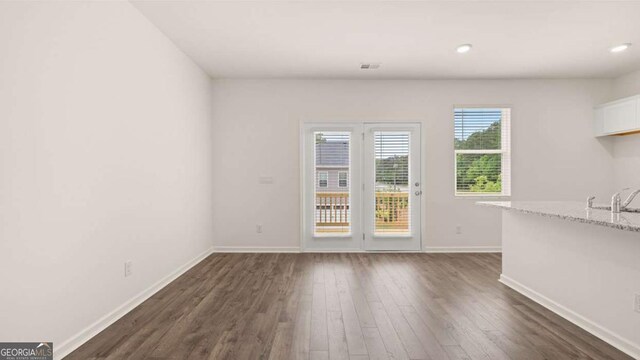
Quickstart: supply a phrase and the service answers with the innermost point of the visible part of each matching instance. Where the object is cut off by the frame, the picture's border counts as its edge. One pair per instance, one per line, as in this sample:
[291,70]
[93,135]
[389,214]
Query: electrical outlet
[458,229]
[259,229]
[636,303]
[128,268]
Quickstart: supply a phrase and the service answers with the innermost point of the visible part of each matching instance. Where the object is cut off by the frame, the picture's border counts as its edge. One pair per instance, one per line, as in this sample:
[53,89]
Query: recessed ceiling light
[463,48]
[619,48]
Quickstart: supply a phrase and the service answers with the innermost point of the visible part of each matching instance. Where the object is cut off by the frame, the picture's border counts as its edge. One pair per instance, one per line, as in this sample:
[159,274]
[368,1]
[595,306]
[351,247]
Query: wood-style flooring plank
[375,345]
[343,306]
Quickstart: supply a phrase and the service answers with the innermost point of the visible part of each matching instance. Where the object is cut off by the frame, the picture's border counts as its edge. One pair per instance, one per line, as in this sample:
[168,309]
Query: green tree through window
[479,153]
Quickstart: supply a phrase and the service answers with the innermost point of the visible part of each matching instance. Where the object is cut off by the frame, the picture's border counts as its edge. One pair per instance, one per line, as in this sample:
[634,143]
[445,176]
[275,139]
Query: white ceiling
[412,40]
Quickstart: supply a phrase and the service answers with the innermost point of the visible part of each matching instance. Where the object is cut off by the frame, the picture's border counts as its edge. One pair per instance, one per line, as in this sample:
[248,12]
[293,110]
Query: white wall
[627,148]
[256,122]
[626,85]
[105,156]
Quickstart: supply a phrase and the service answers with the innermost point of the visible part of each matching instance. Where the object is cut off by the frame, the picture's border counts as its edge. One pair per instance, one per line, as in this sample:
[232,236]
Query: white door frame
[390,242]
[330,242]
[354,242]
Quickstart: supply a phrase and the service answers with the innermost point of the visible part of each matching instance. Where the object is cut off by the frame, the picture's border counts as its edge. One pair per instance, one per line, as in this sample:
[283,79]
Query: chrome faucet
[590,202]
[630,198]
[618,205]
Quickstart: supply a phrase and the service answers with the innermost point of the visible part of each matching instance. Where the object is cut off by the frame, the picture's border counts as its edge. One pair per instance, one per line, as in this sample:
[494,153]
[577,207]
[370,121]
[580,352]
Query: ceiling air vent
[369,66]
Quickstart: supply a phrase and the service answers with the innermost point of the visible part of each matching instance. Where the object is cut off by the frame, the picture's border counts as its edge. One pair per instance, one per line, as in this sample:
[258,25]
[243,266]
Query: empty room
[437,180]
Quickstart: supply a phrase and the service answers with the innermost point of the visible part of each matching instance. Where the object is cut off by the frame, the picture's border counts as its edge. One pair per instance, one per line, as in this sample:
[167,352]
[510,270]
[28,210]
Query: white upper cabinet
[617,117]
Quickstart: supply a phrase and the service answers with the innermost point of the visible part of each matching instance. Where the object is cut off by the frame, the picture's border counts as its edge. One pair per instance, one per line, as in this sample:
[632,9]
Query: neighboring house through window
[332,162]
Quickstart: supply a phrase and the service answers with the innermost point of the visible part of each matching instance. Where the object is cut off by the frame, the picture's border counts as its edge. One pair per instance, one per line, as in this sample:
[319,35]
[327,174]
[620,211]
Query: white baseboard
[252,249]
[462,249]
[333,251]
[295,249]
[92,330]
[604,334]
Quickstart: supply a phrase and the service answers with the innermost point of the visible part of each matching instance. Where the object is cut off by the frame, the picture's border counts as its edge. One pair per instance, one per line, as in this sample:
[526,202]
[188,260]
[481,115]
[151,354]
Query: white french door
[392,186]
[361,186]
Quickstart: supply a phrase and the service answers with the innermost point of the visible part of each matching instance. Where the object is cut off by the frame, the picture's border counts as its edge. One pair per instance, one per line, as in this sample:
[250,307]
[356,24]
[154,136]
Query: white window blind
[392,208]
[332,196]
[482,140]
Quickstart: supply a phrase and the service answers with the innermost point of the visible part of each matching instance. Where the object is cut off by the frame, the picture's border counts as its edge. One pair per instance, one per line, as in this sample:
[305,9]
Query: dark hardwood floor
[343,306]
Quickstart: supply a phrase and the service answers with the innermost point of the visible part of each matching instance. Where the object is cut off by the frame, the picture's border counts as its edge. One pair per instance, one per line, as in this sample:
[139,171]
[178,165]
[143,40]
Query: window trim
[505,151]
[346,180]
[326,174]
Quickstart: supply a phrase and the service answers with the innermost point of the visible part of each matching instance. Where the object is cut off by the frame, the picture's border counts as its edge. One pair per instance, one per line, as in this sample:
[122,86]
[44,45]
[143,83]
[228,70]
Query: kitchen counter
[572,211]
[584,265]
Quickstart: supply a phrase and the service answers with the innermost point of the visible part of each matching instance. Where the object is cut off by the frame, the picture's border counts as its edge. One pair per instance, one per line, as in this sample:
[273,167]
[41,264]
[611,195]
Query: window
[482,141]
[342,179]
[323,179]
[332,210]
[392,215]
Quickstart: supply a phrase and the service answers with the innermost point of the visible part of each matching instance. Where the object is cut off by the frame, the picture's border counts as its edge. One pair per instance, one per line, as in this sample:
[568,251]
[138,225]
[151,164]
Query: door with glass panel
[332,187]
[361,186]
[392,186]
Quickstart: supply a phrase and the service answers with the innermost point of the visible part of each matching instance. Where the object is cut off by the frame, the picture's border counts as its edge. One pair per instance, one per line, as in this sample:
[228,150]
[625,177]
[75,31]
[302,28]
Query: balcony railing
[333,214]
[392,212]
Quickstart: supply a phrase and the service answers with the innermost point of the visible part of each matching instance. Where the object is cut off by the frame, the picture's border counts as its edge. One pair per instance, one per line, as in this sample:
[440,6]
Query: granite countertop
[572,211]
